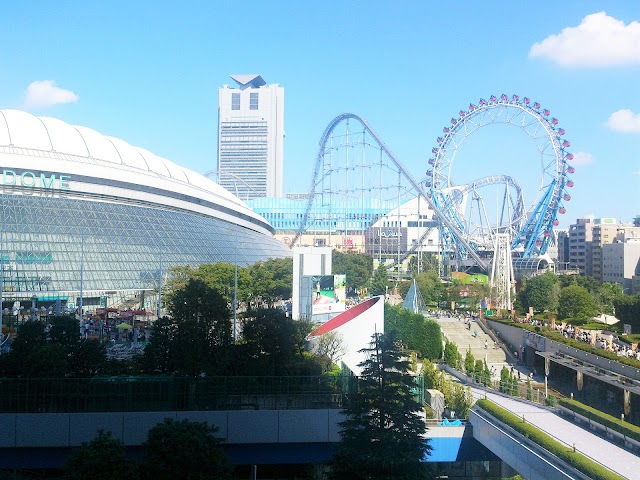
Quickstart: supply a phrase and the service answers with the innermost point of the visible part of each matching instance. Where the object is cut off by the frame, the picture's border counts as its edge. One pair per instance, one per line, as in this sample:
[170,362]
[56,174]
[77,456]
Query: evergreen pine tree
[383,435]
[379,281]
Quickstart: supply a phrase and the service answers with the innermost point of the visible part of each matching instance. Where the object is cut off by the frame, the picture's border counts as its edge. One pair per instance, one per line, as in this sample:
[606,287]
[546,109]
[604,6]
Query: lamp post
[34,309]
[81,274]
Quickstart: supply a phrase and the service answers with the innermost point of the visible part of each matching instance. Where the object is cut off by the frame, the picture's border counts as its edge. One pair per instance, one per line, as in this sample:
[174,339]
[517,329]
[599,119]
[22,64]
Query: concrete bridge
[43,440]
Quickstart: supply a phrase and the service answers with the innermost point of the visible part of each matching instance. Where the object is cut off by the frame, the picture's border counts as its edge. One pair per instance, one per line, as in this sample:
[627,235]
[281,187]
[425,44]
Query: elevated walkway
[533,462]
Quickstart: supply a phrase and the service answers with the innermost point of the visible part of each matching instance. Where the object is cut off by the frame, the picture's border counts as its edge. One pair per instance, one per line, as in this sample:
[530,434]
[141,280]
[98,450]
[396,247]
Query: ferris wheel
[470,223]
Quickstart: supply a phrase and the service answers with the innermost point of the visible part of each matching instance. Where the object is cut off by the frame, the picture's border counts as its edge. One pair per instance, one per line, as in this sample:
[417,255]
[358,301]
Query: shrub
[609,421]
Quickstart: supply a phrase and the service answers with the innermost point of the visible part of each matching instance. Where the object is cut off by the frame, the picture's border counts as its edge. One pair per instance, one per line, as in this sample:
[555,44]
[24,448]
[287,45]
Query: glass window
[235,101]
[253,101]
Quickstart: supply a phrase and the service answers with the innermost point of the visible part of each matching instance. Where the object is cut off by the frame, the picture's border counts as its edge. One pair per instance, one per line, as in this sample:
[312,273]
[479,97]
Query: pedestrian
[486,345]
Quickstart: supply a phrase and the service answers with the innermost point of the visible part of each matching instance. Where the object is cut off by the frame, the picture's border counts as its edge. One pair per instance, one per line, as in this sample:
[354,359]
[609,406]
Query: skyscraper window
[235,101]
[253,101]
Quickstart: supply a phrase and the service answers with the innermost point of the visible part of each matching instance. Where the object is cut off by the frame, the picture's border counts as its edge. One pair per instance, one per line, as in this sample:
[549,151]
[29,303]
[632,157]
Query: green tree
[157,355]
[429,285]
[103,458]
[607,294]
[414,331]
[576,302]
[383,434]
[478,371]
[451,355]
[221,277]
[197,336]
[87,358]
[271,280]
[358,268]
[273,342]
[540,292]
[186,450]
[379,281]
[627,309]
[429,263]
[469,363]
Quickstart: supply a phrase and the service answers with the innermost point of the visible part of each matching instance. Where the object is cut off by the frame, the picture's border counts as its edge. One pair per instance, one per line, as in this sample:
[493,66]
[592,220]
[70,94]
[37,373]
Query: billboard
[329,294]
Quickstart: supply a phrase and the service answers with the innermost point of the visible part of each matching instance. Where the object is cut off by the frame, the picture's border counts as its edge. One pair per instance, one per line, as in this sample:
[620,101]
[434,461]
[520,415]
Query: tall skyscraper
[251,137]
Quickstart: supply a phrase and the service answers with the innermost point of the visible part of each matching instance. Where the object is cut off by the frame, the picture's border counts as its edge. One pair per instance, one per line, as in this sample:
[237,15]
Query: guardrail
[610,433]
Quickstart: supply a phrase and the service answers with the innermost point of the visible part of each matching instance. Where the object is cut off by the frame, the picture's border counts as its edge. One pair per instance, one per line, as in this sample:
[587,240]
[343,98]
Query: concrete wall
[509,335]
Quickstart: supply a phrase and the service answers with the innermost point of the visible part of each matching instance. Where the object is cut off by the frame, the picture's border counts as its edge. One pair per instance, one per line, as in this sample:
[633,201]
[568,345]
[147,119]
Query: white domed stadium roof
[54,145]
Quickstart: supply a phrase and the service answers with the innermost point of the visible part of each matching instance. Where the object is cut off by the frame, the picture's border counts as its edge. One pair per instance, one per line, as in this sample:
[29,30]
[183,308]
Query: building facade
[580,237]
[251,137]
[621,264]
[89,219]
[588,239]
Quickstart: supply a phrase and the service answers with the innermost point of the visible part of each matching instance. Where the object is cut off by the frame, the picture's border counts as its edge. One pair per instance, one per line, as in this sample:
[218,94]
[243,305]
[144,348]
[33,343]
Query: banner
[329,294]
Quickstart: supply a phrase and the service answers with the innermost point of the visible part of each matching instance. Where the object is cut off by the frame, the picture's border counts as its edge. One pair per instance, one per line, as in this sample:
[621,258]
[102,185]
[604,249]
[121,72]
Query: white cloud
[600,40]
[581,159]
[45,93]
[624,121]
[637,172]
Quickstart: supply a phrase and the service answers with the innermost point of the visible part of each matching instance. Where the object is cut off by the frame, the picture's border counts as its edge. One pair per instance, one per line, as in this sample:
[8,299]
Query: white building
[251,137]
[621,262]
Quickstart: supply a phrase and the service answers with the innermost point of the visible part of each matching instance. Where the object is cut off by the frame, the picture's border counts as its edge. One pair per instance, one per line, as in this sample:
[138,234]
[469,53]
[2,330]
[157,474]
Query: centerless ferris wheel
[470,224]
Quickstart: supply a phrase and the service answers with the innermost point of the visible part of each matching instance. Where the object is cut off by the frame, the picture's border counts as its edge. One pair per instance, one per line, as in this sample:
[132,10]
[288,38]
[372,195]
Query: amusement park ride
[354,164]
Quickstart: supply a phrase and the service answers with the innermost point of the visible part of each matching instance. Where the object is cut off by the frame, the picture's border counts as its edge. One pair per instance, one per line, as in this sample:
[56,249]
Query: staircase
[455,331]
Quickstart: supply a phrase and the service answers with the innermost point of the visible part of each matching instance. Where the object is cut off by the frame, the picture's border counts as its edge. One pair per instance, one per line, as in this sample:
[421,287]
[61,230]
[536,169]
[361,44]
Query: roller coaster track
[419,188]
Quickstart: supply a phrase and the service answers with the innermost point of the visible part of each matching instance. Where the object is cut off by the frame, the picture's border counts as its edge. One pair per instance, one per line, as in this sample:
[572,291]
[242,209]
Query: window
[253,101]
[235,101]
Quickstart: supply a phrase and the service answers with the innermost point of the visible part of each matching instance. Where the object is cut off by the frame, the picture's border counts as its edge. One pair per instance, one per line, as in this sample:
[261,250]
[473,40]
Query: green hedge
[625,428]
[576,460]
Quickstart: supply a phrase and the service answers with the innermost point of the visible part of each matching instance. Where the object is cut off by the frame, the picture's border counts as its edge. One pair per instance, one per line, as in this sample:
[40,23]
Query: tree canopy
[379,281]
[383,434]
[576,302]
[196,337]
[540,292]
[429,285]
[627,309]
[184,449]
[357,267]
[414,331]
[103,458]
[263,282]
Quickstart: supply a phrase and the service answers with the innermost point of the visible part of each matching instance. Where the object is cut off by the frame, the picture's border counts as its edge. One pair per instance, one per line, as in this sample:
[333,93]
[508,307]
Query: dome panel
[209,185]
[98,146]
[154,163]
[130,155]
[4,130]
[65,138]
[175,170]
[26,130]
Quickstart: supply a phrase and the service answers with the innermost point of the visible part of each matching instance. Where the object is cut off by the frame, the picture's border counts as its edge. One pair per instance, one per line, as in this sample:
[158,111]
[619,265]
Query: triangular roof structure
[414,300]
[248,80]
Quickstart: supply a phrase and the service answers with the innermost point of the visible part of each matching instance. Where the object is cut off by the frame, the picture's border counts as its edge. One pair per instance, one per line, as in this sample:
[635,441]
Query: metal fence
[135,394]
[167,393]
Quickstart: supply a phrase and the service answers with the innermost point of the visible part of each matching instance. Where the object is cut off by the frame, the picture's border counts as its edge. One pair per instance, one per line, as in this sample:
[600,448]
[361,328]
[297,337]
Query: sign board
[329,294]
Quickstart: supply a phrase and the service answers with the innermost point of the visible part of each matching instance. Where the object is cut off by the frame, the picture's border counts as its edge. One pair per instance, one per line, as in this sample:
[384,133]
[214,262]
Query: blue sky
[149,72]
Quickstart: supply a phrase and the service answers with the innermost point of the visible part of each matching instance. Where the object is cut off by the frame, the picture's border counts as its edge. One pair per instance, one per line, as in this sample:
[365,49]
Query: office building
[251,137]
